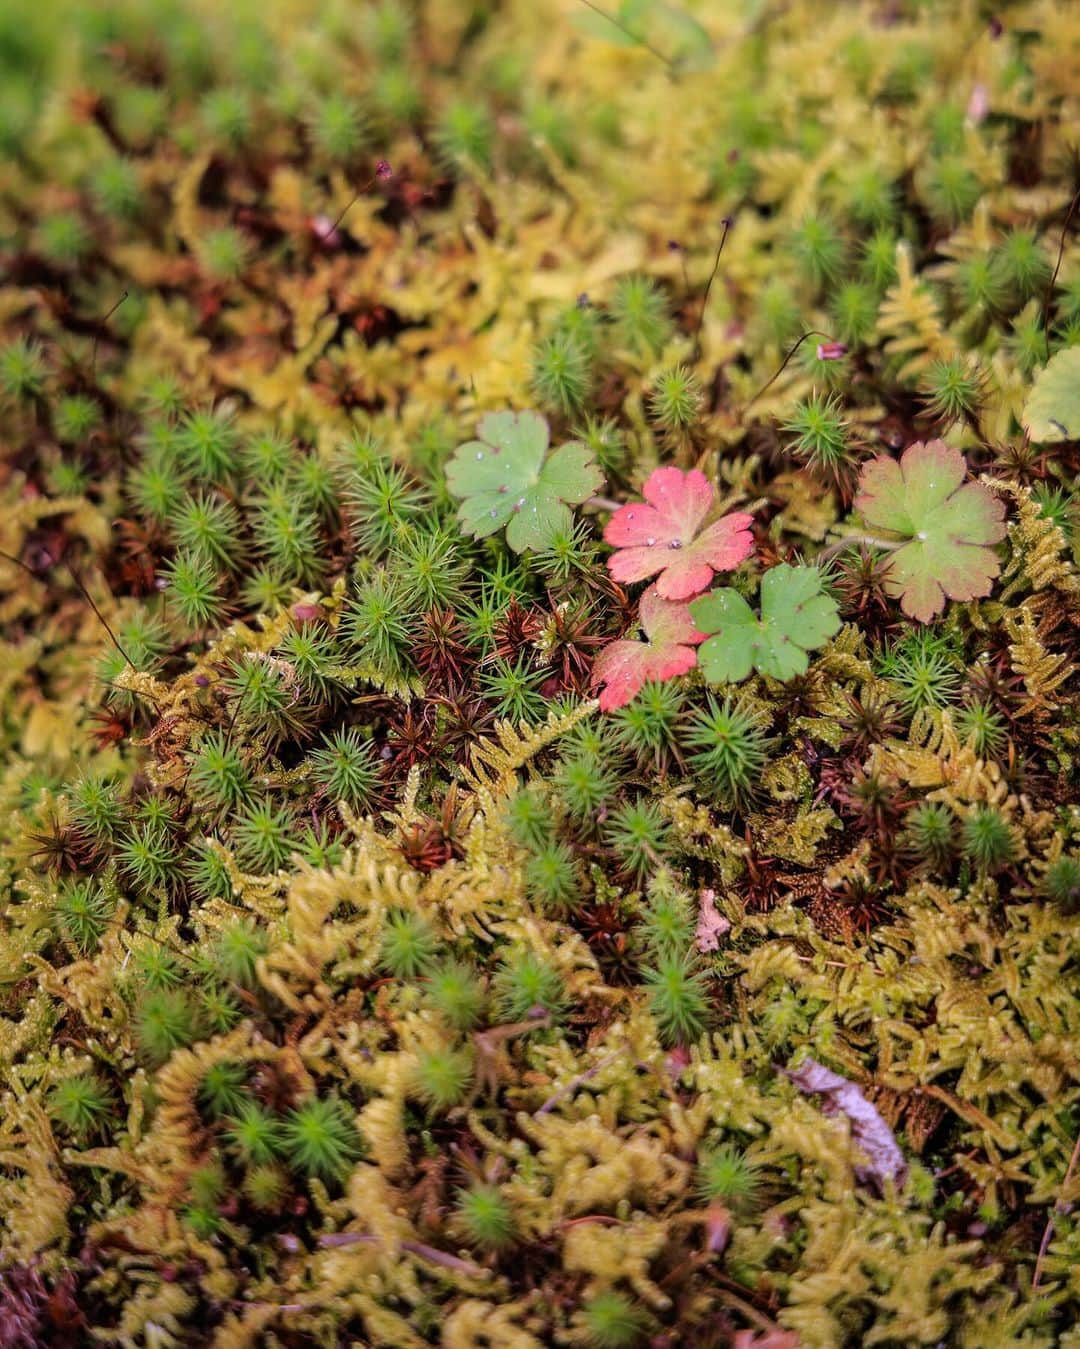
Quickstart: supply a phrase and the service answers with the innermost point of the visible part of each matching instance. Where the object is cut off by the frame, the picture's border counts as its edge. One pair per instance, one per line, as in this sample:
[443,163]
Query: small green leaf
[1052,411]
[505,479]
[796,617]
[947,526]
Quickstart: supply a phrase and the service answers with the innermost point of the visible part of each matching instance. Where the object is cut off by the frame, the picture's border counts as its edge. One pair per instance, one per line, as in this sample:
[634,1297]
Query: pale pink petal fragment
[717,1228]
[711,924]
[868,1129]
[770,1339]
[660,535]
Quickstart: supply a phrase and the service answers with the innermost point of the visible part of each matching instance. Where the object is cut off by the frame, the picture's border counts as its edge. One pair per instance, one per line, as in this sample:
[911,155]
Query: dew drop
[479,455]
[504,488]
[493,514]
[521,502]
[649,541]
[675,543]
[630,515]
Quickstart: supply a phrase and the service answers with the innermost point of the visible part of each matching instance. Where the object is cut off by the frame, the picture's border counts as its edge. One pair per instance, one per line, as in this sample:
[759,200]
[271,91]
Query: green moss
[486,1217]
[320,1138]
[409,944]
[81,1105]
[339,919]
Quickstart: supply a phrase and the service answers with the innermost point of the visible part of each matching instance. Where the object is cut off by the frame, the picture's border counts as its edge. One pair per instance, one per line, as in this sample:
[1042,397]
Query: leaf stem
[857,540]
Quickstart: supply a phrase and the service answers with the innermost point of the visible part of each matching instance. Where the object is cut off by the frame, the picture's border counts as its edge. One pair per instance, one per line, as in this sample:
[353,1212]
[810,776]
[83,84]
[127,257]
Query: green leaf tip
[1052,411]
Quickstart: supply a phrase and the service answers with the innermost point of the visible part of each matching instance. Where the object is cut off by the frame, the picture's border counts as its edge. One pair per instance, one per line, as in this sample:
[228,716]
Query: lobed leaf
[1052,411]
[662,536]
[950,527]
[796,617]
[507,479]
[667,651]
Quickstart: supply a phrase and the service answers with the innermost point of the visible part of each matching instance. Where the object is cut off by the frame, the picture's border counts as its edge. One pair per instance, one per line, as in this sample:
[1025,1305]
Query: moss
[346,943]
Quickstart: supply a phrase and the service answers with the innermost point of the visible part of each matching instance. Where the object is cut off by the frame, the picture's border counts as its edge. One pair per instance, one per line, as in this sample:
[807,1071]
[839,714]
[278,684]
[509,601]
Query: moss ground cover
[538,706]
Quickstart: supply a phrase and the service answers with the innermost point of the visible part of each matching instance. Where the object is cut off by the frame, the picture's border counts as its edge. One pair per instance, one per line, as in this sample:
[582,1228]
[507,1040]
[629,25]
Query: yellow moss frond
[474,1322]
[495,763]
[1038,550]
[910,320]
[620,1251]
[1042,671]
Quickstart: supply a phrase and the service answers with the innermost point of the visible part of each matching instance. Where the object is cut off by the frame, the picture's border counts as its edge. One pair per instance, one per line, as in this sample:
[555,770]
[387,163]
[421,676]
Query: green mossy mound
[364,976]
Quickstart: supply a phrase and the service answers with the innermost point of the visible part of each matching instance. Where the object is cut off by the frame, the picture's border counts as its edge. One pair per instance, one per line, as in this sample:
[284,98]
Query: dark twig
[97,335]
[382,171]
[810,332]
[728,222]
[18,562]
[100,616]
[1057,268]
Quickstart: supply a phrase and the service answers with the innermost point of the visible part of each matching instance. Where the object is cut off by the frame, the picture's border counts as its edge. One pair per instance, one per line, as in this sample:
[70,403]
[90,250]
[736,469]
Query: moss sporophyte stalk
[538,756]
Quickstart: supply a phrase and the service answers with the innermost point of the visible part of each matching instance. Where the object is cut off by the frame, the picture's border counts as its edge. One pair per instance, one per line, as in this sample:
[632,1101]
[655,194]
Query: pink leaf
[711,924]
[868,1129]
[668,650]
[661,536]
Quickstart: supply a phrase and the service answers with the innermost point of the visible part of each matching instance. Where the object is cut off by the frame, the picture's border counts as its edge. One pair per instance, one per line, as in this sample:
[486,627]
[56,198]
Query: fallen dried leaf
[870,1132]
[711,924]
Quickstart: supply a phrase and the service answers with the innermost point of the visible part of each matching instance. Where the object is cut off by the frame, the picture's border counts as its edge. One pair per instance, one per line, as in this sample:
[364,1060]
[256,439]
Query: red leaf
[661,535]
[668,650]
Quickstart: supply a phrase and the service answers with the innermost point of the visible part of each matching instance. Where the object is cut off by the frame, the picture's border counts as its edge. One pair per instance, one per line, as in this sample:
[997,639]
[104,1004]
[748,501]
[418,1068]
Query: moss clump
[374,400]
